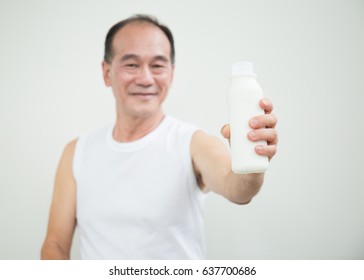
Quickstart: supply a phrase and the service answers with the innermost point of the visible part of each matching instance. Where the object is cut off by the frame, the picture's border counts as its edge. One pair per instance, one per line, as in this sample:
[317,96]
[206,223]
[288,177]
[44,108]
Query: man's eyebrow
[128,56]
[161,58]
[134,56]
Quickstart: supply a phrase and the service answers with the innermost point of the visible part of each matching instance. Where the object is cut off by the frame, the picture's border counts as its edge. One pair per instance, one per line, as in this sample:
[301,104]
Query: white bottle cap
[243,68]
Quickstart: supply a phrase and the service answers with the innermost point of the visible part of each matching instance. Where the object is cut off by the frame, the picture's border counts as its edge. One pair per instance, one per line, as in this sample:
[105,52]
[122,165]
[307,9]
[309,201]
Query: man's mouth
[144,95]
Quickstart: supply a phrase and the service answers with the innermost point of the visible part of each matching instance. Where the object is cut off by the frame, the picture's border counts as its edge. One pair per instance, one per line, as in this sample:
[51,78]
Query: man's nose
[144,77]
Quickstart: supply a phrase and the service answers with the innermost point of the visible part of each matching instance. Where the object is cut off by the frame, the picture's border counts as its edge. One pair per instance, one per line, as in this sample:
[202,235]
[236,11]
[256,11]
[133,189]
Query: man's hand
[263,128]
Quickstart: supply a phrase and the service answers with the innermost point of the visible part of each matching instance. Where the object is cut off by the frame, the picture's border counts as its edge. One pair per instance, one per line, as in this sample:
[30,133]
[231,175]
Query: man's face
[141,71]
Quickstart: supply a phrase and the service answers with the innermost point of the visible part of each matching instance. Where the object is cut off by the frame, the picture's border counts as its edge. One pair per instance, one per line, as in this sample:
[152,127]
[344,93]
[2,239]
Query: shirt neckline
[139,143]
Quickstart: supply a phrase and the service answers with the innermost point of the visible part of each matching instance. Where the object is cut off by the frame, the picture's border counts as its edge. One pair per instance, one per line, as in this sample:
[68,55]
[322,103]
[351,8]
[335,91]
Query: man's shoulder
[181,125]
[70,148]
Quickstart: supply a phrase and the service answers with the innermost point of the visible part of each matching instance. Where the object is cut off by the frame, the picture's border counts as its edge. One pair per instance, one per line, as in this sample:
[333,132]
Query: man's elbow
[242,202]
[53,251]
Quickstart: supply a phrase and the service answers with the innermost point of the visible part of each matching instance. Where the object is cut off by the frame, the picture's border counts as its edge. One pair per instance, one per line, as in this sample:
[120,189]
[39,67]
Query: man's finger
[266,105]
[267,120]
[225,131]
[269,151]
[270,135]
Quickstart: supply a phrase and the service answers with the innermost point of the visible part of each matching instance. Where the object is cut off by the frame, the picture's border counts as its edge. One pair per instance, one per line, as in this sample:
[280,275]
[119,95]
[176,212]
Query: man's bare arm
[212,162]
[62,218]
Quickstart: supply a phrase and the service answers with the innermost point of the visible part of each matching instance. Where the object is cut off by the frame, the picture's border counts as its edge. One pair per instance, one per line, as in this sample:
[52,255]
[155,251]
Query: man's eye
[132,65]
[158,66]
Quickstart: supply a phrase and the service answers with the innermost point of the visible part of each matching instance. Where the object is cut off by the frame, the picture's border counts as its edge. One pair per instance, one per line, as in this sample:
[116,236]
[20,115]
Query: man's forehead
[136,37]
[140,30]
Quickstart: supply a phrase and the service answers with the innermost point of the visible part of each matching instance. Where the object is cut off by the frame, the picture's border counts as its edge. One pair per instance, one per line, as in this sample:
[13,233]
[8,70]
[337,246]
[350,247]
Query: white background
[310,62]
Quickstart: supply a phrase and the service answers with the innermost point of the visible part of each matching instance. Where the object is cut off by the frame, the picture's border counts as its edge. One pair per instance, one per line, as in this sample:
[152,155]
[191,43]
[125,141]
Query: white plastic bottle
[243,101]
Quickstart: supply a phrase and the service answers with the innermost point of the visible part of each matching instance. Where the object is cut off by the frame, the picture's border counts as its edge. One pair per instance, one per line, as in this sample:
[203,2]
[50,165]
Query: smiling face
[141,71]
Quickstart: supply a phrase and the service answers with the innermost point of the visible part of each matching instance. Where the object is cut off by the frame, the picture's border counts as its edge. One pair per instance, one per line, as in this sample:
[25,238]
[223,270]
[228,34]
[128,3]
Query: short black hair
[108,54]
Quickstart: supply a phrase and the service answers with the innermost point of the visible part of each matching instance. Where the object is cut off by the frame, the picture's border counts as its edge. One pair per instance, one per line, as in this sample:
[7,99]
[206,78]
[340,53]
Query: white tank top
[139,200]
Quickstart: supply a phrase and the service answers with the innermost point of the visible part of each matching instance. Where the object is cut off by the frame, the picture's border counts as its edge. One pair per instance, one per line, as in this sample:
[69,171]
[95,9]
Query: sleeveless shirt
[140,199]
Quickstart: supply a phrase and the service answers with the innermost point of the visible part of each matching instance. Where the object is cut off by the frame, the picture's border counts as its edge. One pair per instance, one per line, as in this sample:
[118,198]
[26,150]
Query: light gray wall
[309,59]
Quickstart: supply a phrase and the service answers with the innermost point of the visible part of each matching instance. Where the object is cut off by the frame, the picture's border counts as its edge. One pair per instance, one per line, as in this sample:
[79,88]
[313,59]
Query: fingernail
[259,148]
[254,122]
[252,134]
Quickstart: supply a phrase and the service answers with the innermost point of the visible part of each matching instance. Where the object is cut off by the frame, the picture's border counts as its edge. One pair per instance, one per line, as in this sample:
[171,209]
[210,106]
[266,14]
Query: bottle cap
[243,68]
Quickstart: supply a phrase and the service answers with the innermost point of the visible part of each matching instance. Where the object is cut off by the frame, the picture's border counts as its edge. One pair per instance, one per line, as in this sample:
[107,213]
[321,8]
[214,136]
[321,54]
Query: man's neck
[128,128]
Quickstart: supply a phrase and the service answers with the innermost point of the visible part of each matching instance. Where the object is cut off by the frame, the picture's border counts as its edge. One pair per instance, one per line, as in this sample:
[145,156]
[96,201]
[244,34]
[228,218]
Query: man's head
[108,53]
[138,66]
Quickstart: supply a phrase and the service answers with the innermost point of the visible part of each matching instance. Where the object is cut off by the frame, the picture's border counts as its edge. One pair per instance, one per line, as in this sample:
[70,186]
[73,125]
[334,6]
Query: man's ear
[106,72]
[172,75]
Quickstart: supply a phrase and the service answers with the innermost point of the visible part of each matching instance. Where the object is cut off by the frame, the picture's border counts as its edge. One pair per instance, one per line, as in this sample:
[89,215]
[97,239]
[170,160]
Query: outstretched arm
[212,162]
